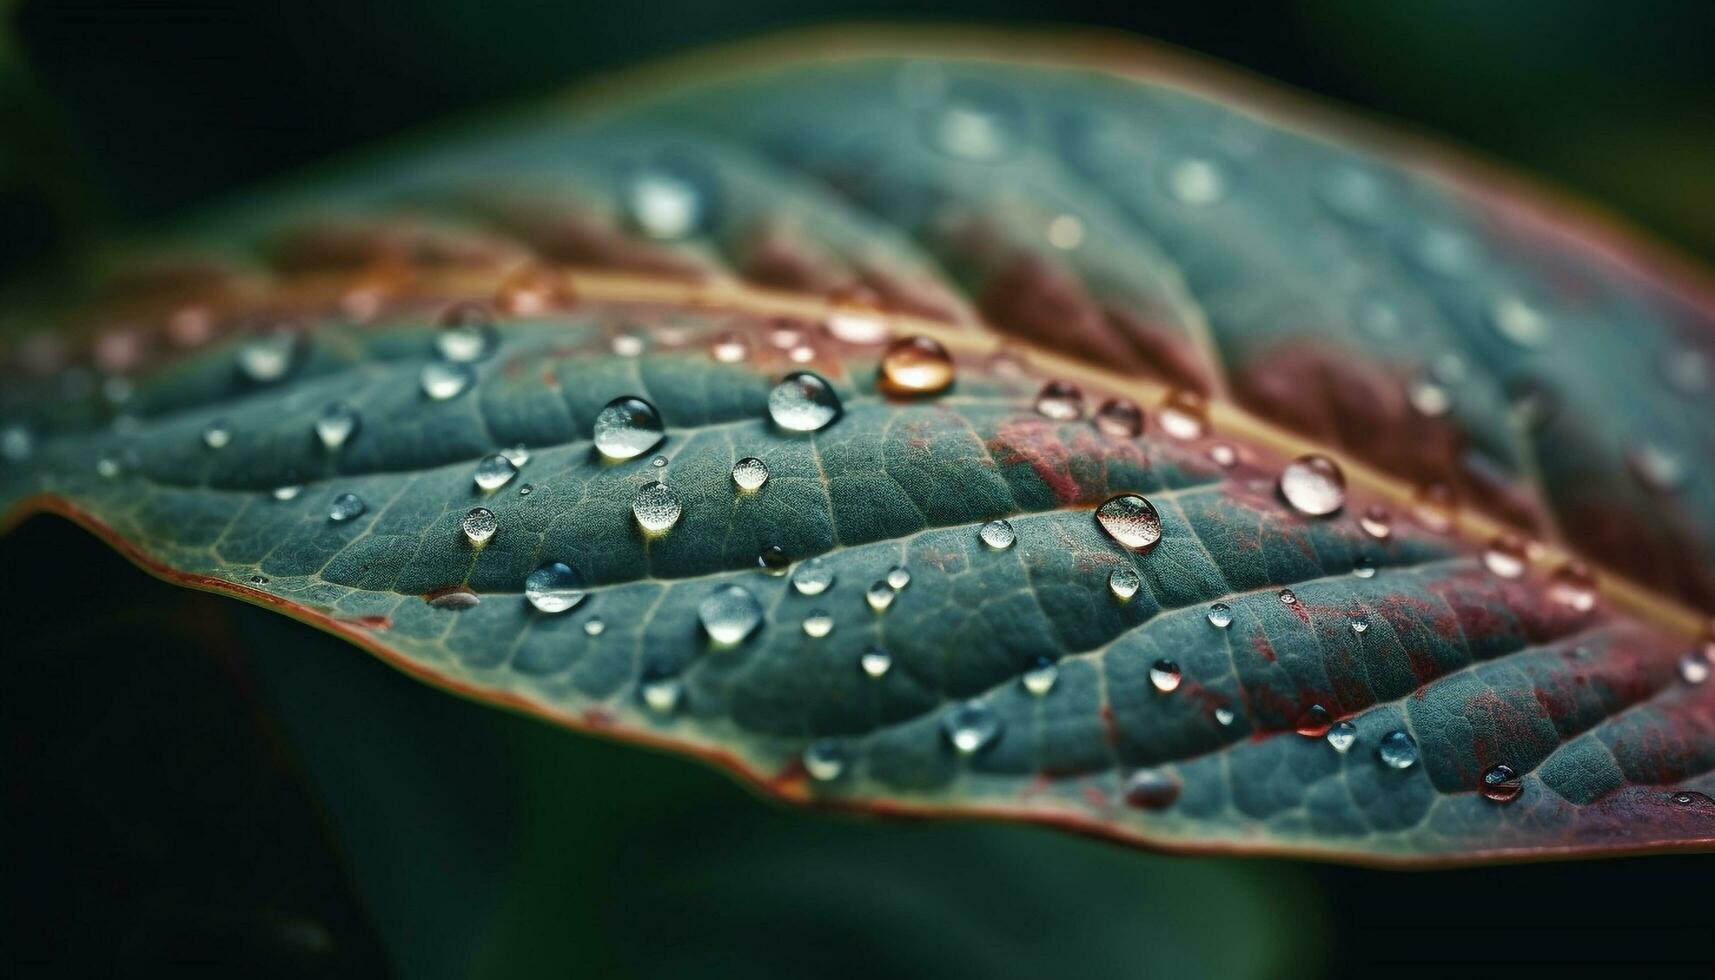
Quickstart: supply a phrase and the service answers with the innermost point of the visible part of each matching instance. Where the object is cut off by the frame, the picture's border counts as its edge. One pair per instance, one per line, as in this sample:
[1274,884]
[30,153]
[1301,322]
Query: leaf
[1508,393]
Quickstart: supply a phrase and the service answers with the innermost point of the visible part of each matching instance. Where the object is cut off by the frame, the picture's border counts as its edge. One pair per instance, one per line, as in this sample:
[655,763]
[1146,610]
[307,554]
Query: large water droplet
[971,726]
[217,434]
[1184,416]
[875,662]
[336,425]
[879,595]
[1130,520]
[627,427]
[1693,668]
[266,359]
[1124,583]
[813,577]
[1061,401]
[1313,485]
[1573,585]
[750,474]
[916,366]
[553,588]
[1040,677]
[1398,750]
[818,623]
[1197,181]
[655,507]
[824,760]
[1150,789]
[997,535]
[443,380]
[729,614]
[1342,735]
[467,333]
[1119,417]
[1501,783]
[1164,676]
[1505,556]
[1377,522]
[494,471]
[345,507]
[803,402]
[898,577]
[1314,722]
[479,525]
[1220,615]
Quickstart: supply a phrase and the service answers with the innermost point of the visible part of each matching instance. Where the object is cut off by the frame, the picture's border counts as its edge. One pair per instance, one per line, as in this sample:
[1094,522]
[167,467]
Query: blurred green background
[194,787]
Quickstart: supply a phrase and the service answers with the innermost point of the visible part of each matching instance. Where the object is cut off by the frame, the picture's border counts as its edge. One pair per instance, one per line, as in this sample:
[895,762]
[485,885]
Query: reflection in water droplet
[345,507]
[1197,181]
[1342,735]
[1377,522]
[1314,722]
[1501,784]
[818,623]
[916,366]
[824,760]
[467,333]
[1164,676]
[729,614]
[1398,750]
[553,588]
[813,577]
[336,425]
[479,525]
[730,347]
[217,434]
[997,535]
[443,380]
[626,428]
[971,726]
[1119,417]
[1131,520]
[1573,585]
[655,507]
[773,560]
[1220,615]
[803,402]
[594,626]
[1505,556]
[1061,401]
[1184,416]
[875,662]
[1313,485]
[1124,583]
[879,595]
[898,577]
[493,472]
[750,474]
[1040,677]
[1693,669]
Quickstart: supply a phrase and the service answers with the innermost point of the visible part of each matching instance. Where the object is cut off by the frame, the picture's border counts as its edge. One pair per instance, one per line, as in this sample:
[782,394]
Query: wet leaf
[1281,489]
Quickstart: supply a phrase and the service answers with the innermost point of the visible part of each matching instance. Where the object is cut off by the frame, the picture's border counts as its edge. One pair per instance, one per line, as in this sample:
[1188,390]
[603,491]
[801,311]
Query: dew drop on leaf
[1693,668]
[108,467]
[479,525]
[1119,417]
[1131,520]
[1519,322]
[898,577]
[594,626]
[750,474]
[1500,783]
[217,434]
[1040,677]
[1061,401]
[818,623]
[824,760]
[1184,416]
[627,427]
[467,333]
[1223,455]
[729,614]
[16,443]
[658,462]
[656,507]
[519,455]
[1313,485]
[976,124]
[553,588]
[813,577]
[1150,789]
[875,662]
[1505,556]
[1397,750]
[1377,522]
[730,347]
[336,425]
[443,380]
[630,342]
[668,199]
[287,492]
[454,597]
[1124,583]
[1314,722]
[494,471]
[1197,181]
[1573,585]
[773,560]
[880,595]
[1342,735]
[1434,506]
[1220,615]
[971,726]
[1360,626]
[1288,597]
[916,366]
[1164,676]
[661,692]
[345,507]
[1430,399]
[803,402]
[1224,716]
[855,317]
[997,535]
[268,358]
[1658,469]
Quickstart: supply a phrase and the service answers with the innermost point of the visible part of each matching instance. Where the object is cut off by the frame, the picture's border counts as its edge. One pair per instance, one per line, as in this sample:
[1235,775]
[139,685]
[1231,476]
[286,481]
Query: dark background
[189,781]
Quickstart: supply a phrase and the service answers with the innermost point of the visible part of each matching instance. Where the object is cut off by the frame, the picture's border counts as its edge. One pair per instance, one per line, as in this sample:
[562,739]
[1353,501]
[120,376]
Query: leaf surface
[1100,221]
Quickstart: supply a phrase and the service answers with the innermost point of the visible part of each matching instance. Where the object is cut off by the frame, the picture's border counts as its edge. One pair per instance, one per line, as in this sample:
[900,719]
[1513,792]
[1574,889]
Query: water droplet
[813,577]
[1130,520]
[729,614]
[1360,626]
[1065,232]
[1041,676]
[855,317]
[1314,722]
[630,342]
[446,379]
[1693,669]
[730,347]
[1342,735]
[824,760]
[1288,597]
[977,124]
[525,490]
[494,471]
[345,507]
[879,596]
[916,366]
[467,333]
[658,462]
[1124,583]
[1433,507]
[1184,416]
[898,577]
[1377,522]
[1501,784]
[1224,716]
[818,623]
[803,402]
[773,560]
[268,358]
[217,434]
[479,525]
[594,626]
[784,335]
[1656,468]
[627,427]
[336,425]
[1398,750]
[553,588]
[1313,485]
[997,535]
[16,443]
[454,597]
[669,198]
[1197,181]
[1150,789]
[258,580]
[1355,195]
[1428,398]
[1573,585]
[1164,675]
[519,454]
[750,474]
[1691,798]
[1223,455]
[288,492]
[971,726]
[655,507]
[875,662]
[1061,401]
[1119,417]
[1505,556]
[1220,615]
[661,692]
[1519,322]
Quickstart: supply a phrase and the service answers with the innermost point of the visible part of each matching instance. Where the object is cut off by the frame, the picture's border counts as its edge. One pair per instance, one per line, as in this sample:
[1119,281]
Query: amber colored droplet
[916,366]
[530,291]
[1185,415]
[1119,417]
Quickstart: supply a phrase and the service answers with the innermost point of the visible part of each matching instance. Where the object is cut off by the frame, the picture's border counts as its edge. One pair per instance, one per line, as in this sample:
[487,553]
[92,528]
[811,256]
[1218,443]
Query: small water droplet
[898,577]
[818,623]
[1356,195]
[1224,716]
[916,366]
[997,535]
[1313,485]
[336,425]
[287,492]
[1656,468]
[773,560]
[627,427]
[479,525]
[1150,789]
[971,726]
[1223,455]
[493,472]
[879,595]
[1501,783]
[1377,522]
[1065,232]
[1131,520]
[594,626]
[656,507]
[16,443]
[750,474]
[1124,583]
[977,124]
[875,662]
[1519,322]
[443,380]
[1288,597]
[1061,401]
[813,577]
[630,342]
[784,335]
[525,490]
[856,317]
[1505,556]
[553,588]
[1428,398]
[1040,677]
[1360,626]
[803,402]
[730,347]
[1220,615]
[1164,676]
[1434,506]
[345,507]
[658,462]
[1197,181]
[661,692]
[1692,798]
[467,333]
[669,198]
[266,359]
[1342,735]
[1398,750]
[454,597]
[1119,417]
[217,434]
[824,760]
[1314,722]
[1693,668]
[1184,416]
[729,614]
[1573,585]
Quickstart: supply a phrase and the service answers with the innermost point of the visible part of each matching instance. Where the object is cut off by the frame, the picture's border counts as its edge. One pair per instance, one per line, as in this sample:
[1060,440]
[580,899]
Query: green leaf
[1484,374]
